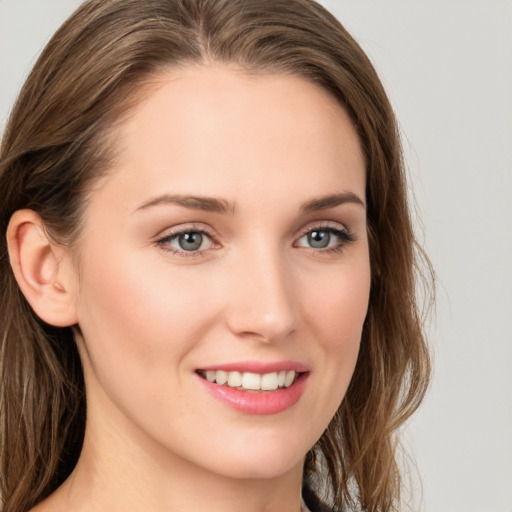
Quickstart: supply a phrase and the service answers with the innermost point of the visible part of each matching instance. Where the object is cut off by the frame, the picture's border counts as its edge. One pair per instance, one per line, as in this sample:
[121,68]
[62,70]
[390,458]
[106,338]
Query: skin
[256,290]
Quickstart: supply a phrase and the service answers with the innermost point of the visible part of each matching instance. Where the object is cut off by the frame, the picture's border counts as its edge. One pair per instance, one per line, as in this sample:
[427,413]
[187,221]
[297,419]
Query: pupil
[190,241]
[319,239]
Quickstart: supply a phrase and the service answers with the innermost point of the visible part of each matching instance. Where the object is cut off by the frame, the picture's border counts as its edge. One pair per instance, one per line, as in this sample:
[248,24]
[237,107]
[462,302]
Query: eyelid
[198,227]
[324,224]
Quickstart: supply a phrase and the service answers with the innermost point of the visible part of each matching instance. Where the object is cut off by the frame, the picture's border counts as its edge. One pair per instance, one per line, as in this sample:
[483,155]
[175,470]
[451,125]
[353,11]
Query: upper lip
[258,367]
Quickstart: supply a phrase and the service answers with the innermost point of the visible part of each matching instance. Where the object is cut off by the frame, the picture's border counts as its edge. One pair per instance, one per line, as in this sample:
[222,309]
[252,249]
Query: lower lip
[258,402]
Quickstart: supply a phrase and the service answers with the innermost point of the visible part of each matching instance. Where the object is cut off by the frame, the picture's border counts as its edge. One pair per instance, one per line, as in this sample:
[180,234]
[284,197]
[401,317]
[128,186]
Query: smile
[249,381]
[256,388]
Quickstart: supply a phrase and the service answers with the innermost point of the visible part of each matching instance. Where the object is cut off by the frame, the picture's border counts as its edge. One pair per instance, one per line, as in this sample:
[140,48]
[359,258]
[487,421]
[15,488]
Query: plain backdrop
[447,66]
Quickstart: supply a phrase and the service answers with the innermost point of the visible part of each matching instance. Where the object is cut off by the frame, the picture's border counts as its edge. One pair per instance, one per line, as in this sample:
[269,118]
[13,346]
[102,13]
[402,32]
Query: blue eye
[319,239]
[186,241]
[329,238]
[194,242]
[190,241]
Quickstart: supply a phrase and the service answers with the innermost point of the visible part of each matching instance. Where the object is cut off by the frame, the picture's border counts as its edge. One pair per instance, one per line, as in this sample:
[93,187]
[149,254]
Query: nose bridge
[263,305]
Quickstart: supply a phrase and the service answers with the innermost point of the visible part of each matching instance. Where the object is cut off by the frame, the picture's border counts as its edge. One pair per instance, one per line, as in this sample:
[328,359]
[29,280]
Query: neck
[130,472]
[137,487]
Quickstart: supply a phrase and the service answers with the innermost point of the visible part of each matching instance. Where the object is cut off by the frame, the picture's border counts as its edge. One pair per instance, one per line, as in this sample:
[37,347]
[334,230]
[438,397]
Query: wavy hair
[59,140]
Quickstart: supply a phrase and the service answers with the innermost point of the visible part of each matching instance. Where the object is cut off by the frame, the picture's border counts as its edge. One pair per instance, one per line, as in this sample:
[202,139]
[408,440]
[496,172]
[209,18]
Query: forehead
[202,127]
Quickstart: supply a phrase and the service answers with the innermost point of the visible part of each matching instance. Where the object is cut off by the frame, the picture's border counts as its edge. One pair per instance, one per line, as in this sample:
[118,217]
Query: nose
[262,303]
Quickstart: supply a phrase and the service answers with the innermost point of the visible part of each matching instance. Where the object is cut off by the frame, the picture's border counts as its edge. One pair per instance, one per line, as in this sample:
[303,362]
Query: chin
[254,461]
[260,470]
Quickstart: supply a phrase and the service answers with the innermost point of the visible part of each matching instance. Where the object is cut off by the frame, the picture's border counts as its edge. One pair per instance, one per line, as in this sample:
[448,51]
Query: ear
[42,269]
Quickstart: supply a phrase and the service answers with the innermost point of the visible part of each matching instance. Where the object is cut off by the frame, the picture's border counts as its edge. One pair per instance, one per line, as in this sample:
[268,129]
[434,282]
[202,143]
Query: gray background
[447,68]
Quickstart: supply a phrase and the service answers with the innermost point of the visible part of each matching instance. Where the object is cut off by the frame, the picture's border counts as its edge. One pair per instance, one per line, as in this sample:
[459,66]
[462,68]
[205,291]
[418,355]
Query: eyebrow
[331,201]
[215,205]
[207,204]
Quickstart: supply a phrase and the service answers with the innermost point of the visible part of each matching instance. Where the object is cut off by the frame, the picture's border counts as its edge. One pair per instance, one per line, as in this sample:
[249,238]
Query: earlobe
[39,269]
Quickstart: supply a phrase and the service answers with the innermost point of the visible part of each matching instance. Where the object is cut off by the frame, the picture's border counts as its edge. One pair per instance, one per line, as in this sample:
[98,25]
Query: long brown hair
[61,137]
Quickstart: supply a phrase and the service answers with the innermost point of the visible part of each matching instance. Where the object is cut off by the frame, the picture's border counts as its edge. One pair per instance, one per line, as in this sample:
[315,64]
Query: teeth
[269,381]
[252,381]
[221,377]
[234,379]
[290,377]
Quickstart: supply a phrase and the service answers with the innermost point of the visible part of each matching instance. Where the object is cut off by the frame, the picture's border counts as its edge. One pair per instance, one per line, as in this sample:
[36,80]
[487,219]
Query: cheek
[338,308]
[135,314]
[337,314]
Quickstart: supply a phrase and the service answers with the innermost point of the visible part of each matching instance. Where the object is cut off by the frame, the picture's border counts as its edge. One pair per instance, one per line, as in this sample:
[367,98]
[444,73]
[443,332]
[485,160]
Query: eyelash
[345,238]
[164,242]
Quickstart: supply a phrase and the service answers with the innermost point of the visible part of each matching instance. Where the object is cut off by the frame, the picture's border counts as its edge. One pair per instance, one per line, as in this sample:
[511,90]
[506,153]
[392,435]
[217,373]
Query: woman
[208,272]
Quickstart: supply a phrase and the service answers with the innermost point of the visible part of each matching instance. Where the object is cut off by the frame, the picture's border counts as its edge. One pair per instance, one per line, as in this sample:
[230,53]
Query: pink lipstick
[256,388]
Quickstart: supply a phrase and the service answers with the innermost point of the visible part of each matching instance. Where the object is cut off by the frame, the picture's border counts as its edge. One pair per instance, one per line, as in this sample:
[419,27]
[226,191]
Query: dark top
[313,502]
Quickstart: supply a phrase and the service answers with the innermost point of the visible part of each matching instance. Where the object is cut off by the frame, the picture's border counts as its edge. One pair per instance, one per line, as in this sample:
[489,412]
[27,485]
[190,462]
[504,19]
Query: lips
[256,388]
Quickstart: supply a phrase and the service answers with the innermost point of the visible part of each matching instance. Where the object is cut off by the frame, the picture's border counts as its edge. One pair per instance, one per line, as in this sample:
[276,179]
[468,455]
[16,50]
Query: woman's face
[229,242]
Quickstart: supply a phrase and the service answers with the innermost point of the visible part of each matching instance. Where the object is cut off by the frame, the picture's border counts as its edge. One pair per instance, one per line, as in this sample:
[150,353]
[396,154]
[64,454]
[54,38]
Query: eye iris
[319,239]
[190,241]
